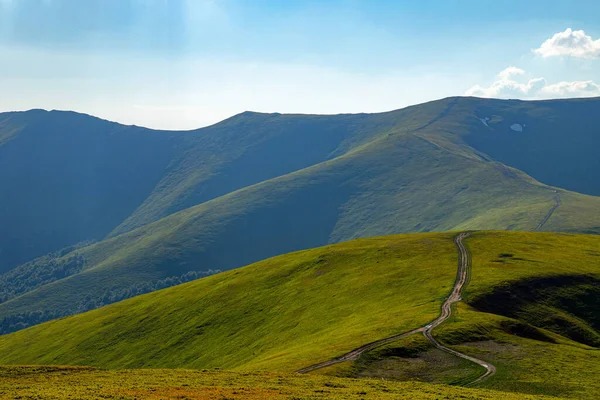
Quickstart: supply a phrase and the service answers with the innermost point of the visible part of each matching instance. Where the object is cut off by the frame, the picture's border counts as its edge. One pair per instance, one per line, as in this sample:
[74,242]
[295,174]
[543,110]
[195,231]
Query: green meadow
[530,308]
[279,314]
[86,383]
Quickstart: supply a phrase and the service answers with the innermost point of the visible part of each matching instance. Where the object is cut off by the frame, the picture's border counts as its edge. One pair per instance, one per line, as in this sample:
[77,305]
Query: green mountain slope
[557,145]
[68,177]
[282,313]
[294,310]
[258,185]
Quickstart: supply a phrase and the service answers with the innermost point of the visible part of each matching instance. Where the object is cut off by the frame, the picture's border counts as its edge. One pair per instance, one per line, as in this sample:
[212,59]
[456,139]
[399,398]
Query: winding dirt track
[354,354]
[455,296]
[461,280]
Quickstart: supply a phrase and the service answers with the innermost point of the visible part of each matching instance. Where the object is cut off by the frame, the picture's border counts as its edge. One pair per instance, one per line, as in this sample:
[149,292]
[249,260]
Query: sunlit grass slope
[531,308]
[279,314]
[500,257]
[86,383]
[529,359]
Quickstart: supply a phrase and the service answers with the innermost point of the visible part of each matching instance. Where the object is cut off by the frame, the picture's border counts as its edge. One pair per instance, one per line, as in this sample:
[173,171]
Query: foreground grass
[280,314]
[530,308]
[84,383]
[409,359]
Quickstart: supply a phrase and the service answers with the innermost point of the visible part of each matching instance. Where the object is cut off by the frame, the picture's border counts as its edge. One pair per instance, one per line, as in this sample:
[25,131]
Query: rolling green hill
[530,308]
[279,313]
[258,185]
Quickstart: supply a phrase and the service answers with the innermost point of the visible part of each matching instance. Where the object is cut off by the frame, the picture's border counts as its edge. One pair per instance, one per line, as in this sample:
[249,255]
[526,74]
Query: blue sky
[182,64]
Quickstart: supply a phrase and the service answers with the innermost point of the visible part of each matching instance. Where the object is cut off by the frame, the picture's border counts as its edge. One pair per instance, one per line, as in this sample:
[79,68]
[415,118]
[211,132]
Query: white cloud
[570,43]
[574,89]
[511,71]
[506,86]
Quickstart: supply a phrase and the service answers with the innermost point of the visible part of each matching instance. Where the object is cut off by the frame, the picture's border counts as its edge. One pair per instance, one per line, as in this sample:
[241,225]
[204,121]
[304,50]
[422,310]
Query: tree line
[15,322]
[42,271]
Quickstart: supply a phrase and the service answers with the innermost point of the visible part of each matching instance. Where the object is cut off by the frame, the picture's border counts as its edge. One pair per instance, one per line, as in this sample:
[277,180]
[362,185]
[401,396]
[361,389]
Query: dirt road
[354,354]
[455,296]
[461,281]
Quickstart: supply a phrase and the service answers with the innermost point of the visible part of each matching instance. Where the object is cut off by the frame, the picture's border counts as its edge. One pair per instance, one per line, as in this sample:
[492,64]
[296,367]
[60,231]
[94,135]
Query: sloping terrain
[554,141]
[531,310]
[280,313]
[304,307]
[69,177]
[258,185]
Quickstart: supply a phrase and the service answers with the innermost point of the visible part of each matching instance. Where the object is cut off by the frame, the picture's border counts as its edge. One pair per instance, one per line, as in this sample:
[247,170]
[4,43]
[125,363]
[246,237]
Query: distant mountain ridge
[70,177]
[163,204]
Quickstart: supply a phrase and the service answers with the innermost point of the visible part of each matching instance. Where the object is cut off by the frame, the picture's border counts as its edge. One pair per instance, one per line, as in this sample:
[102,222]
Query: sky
[184,64]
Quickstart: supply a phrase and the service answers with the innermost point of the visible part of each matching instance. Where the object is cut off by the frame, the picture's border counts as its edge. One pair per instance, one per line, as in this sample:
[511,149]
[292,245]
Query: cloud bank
[570,43]
[506,86]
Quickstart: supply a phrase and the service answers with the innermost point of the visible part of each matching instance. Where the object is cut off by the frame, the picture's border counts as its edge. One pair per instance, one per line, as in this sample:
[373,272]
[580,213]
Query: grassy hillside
[268,184]
[67,178]
[397,182]
[278,314]
[252,147]
[86,383]
[557,144]
[531,310]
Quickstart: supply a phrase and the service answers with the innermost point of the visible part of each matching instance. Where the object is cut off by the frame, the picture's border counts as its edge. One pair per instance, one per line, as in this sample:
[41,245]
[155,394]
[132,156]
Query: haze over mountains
[161,204]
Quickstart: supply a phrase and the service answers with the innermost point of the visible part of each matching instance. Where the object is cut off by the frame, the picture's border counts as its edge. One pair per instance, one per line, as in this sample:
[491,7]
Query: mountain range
[95,212]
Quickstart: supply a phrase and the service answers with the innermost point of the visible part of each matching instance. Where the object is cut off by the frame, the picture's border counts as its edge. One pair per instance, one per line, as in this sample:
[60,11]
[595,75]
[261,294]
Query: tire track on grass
[456,296]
